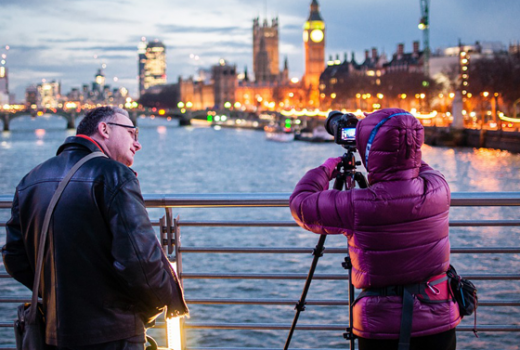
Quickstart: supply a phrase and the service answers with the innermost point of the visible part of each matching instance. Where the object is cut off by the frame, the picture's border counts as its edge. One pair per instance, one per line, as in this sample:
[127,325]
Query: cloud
[115,57]
[29,47]
[173,28]
[103,48]
[291,28]
[65,40]
[216,45]
[18,3]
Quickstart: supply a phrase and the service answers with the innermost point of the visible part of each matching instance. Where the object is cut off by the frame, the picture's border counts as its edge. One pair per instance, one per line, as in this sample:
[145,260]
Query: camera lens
[342,127]
[331,125]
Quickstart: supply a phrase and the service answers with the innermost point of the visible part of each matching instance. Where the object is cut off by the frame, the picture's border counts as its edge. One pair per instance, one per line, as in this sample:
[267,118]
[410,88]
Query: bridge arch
[6,118]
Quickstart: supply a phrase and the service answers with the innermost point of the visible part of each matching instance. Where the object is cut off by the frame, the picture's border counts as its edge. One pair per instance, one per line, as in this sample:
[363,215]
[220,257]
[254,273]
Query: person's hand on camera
[330,166]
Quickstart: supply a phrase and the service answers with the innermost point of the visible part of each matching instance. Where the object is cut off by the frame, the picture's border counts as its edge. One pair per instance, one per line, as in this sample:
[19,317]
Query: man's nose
[137,146]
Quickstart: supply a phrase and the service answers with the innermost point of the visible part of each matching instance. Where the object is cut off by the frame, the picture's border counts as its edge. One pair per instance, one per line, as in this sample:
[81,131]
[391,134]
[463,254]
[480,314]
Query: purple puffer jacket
[397,229]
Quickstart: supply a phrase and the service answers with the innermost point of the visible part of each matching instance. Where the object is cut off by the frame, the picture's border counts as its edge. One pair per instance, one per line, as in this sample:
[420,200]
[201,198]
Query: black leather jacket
[104,273]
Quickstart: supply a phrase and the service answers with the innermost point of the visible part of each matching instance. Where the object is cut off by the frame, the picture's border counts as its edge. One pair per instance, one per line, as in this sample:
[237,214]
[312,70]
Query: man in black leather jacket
[104,272]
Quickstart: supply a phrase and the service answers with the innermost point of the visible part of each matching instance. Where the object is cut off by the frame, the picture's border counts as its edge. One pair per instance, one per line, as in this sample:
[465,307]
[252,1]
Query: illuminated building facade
[272,89]
[154,65]
[265,51]
[49,94]
[217,92]
[196,94]
[411,62]
[4,85]
[99,82]
[31,96]
[224,83]
[314,42]
[514,49]
[4,81]
[258,97]
[376,82]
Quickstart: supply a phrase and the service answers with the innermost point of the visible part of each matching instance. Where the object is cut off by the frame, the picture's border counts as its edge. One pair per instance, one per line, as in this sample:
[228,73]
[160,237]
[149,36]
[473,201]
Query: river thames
[206,160]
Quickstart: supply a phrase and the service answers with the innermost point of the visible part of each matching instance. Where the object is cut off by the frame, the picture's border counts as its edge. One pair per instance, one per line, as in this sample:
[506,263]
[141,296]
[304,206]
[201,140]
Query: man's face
[121,144]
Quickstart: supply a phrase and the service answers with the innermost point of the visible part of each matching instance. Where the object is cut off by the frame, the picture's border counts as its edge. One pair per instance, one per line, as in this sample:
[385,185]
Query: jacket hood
[395,138]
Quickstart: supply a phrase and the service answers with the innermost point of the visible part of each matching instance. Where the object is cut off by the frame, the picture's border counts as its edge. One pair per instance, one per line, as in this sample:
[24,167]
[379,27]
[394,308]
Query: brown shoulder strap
[45,228]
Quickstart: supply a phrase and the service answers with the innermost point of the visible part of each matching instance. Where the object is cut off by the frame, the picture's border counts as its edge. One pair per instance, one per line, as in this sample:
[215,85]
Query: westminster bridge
[442,135]
[70,115]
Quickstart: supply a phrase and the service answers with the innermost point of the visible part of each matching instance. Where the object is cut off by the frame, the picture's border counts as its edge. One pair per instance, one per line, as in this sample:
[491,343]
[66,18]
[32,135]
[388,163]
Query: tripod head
[347,176]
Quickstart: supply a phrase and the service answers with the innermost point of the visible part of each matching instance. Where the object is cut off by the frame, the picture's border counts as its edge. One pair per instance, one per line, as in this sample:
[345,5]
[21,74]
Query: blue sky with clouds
[68,40]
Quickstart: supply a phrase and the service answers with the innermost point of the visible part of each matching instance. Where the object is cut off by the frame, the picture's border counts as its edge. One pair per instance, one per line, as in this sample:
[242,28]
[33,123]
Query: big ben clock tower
[314,40]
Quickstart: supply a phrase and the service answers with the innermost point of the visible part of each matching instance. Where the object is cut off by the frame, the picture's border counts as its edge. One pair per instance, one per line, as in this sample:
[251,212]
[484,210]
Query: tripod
[347,177]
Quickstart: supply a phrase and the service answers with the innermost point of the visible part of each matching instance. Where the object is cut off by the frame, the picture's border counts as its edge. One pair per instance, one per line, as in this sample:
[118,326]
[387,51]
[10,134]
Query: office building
[141,60]
[4,85]
[152,65]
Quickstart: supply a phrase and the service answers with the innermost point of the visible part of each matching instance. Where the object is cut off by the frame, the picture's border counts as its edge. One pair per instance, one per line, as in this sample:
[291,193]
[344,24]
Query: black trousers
[440,341]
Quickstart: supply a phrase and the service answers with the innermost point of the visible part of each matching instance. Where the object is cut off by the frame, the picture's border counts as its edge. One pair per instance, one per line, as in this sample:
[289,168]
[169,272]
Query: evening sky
[68,40]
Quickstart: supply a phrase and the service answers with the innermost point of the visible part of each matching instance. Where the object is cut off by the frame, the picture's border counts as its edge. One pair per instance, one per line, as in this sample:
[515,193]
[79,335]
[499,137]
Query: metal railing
[170,232]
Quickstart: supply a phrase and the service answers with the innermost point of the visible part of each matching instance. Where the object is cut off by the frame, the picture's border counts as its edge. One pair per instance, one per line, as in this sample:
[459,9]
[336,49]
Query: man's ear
[102,130]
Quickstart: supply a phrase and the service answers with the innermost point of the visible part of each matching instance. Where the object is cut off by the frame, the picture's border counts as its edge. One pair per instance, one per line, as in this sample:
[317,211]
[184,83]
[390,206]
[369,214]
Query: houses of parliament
[269,86]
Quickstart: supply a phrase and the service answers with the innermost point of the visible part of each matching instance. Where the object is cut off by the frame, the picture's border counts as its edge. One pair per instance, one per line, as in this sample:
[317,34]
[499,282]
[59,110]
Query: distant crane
[424,25]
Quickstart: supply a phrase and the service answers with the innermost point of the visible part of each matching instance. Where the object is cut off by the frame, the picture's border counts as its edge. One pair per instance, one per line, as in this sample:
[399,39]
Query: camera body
[342,127]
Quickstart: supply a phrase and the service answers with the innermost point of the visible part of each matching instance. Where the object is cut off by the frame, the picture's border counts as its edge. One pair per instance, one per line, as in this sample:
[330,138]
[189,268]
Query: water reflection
[40,133]
[161,129]
[204,160]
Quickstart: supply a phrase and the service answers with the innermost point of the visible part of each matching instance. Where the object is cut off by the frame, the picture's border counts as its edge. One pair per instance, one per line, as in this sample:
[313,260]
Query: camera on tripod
[343,127]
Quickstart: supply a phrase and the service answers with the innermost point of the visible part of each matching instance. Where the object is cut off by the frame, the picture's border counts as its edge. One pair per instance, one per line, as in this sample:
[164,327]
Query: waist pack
[446,287]
[464,293]
[435,290]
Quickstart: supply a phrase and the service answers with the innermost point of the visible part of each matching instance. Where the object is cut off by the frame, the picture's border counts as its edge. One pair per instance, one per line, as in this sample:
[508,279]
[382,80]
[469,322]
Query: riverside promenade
[475,138]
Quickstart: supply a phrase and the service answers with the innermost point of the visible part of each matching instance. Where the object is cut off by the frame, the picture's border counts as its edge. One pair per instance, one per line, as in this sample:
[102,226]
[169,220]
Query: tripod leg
[349,335]
[350,307]
[300,306]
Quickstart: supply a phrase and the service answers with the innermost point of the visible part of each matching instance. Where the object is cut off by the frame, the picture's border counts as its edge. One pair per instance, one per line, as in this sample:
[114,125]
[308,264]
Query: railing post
[170,239]
[177,246]
[178,261]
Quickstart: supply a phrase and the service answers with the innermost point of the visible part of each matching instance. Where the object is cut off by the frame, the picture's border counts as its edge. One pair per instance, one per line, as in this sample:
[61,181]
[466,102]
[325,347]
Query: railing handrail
[208,200]
[237,200]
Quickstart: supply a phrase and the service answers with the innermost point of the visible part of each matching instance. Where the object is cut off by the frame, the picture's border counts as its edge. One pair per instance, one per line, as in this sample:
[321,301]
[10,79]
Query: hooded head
[389,142]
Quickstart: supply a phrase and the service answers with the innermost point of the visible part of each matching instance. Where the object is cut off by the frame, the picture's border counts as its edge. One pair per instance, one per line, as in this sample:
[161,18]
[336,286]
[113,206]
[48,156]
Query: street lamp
[495,110]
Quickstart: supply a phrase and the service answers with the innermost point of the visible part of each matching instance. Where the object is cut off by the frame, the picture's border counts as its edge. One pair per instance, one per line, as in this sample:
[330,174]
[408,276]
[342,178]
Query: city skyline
[68,41]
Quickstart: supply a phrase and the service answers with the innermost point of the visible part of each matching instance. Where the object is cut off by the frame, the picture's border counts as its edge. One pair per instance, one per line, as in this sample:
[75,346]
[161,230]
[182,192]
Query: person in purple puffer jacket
[397,231]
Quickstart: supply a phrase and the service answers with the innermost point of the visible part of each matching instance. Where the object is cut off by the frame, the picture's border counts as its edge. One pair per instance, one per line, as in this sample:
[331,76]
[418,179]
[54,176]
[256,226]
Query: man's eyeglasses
[136,129]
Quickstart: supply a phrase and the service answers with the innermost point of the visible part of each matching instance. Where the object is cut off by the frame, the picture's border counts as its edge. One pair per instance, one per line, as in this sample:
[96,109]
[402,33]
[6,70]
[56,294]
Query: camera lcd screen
[348,134]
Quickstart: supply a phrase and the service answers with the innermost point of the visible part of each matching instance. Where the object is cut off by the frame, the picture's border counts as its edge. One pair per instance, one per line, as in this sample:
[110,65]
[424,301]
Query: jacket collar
[86,142]
[83,141]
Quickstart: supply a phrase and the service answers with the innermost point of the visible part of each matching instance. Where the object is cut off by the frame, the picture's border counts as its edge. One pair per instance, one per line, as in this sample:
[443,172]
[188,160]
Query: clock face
[317,35]
[305,36]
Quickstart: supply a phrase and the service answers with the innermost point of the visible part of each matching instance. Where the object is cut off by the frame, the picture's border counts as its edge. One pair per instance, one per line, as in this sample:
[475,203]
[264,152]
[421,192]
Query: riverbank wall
[497,139]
